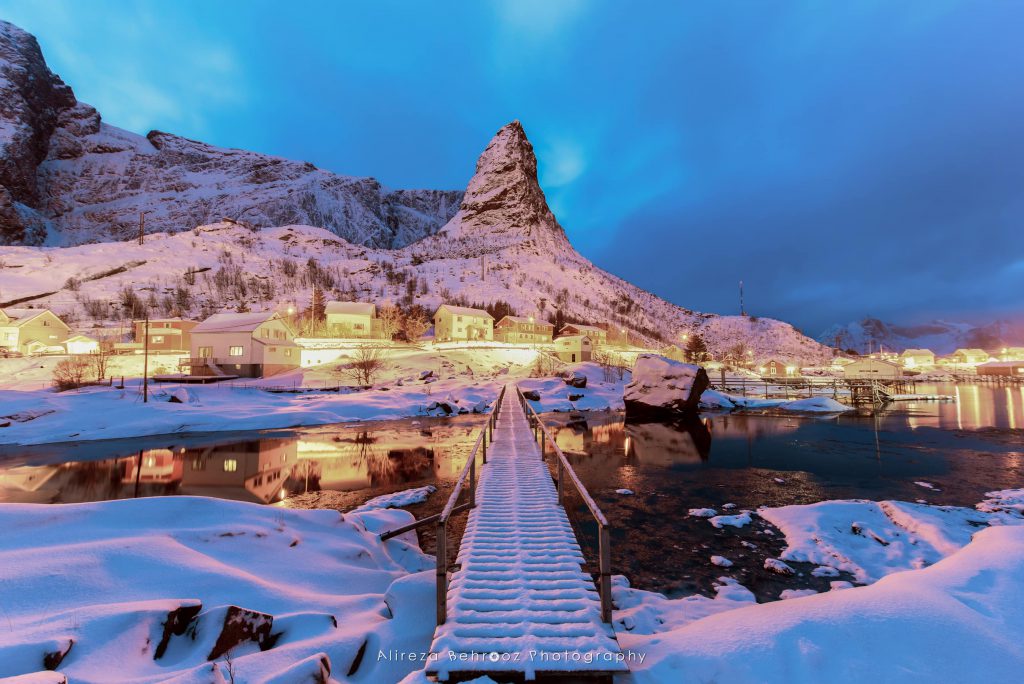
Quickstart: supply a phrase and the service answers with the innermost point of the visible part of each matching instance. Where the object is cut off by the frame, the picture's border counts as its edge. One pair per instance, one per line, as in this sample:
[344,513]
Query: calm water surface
[963,448]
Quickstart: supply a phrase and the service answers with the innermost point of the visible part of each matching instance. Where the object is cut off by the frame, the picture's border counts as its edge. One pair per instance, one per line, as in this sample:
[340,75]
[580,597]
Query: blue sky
[843,159]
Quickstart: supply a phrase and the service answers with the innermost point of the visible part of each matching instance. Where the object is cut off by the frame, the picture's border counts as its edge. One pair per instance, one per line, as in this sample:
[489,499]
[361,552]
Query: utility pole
[145,364]
[142,226]
[743,311]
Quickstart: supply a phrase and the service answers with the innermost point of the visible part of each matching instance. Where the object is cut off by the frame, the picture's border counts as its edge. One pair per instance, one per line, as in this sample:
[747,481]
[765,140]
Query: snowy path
[520,601]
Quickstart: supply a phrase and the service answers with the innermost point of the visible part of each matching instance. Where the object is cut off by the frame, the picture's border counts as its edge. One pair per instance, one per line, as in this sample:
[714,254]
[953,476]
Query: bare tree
[70,373]
[390,317]
[415,322]
[99,359]
[367,362]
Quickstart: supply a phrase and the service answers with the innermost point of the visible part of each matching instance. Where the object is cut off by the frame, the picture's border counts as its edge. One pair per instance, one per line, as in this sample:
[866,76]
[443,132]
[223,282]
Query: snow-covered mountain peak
[504,200]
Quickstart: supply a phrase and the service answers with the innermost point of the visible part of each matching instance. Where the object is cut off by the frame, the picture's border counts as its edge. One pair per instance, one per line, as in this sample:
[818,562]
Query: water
[963,449]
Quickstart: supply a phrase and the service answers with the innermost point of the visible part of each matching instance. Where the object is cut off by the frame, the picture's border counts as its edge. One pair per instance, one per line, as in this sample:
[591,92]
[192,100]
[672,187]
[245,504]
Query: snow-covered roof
[585,328]
[465,311]
[971,352]
[78,338]
[571,338]
[23,316]
[1001,364]
[917,352]
[525,321]
[886,362]
[234,322]
[351,308]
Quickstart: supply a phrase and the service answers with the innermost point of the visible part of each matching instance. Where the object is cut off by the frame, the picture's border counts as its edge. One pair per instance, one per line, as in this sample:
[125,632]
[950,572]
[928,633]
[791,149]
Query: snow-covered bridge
[519,602]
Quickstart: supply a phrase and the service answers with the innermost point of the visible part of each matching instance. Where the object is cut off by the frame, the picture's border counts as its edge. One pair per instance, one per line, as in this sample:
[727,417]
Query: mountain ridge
[66,177]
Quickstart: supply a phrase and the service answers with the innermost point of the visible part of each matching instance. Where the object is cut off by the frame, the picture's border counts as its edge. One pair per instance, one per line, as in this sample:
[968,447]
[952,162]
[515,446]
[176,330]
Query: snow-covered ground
[416,384]
[102,588]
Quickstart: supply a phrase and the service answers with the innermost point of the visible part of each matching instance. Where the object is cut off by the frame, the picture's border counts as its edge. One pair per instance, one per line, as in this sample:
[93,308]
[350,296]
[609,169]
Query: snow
[104,577]
[740,519]
[702,512]
[714,399]
[778,567]
[721,561]
[625,492]
[470,381]
[787,594]
[398,499]
[956,621]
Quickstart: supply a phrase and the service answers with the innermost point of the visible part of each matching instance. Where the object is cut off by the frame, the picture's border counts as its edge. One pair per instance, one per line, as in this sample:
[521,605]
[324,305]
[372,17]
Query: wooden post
[145,363]
[442,573]
[605,573]
[561,489]
[142,227]
[485,443]
[472,480]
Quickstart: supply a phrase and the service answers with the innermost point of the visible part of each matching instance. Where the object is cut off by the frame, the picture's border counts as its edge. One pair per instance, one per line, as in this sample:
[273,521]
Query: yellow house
[873,369]
[969,356]
[251,345]
[32,331]
[461,323]
[598,336]
[574,348]
[523,330]
[917,358]
[1012,354]
[351,319]
[772,368]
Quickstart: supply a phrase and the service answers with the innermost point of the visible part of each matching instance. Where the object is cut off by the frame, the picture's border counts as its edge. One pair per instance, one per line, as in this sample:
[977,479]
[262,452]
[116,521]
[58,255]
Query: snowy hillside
[504,244]
[942,337]
[68,178]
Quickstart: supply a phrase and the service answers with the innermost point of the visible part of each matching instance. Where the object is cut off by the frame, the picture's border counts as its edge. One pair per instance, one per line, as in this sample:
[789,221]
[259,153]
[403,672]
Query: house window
[12,336]
[46,324]
[273,349]
[156,339]
[205,352]
[265,333]
[358,326]
[287,352]
[458,318]
[234,351]
[230,465]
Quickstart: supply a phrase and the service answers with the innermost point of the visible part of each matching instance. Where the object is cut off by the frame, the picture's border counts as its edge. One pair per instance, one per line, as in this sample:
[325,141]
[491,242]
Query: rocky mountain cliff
[68,178]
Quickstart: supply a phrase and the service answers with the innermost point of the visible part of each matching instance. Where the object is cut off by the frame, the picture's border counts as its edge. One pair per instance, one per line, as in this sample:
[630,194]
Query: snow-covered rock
[662,388]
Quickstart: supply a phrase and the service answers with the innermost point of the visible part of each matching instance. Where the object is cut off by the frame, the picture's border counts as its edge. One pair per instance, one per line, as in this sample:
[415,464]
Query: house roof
[22,316]
[971,351]
[1002,364]
[75,338]
[234,322]
[351,308]
[464,311]
[567,338]
[886,362]
[917,352]
[525,321]
[585,328]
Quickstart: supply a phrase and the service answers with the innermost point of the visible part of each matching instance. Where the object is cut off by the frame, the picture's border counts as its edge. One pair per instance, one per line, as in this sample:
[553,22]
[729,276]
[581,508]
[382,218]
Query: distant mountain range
[941,337]
[69,179]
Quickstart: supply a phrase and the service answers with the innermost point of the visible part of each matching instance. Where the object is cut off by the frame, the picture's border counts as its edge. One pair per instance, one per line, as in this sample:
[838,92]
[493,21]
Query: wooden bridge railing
[565,472]
[468,475]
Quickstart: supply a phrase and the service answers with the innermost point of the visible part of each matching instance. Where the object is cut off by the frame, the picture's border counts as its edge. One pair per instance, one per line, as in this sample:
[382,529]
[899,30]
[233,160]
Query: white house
[917,358]
[80,344]
[574,348]
[251,345]
[32,331]
[351,319]
[461,323]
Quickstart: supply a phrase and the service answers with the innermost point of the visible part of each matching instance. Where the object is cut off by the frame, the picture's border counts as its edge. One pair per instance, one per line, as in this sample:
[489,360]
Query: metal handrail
[566,471]
[452,507]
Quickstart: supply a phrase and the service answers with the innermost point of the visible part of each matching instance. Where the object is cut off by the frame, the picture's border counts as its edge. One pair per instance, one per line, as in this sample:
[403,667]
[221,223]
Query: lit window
[156,339]
[230,465]
[205,352]
[235,351]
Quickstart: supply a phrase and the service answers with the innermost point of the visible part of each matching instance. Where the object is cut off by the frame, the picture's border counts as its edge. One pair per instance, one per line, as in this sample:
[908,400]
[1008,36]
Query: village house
[772,368]
[1002,368]
[574,348]
[461,323]
[873,369]
[351,319]
[598,336]
[969,356]
[917,358]
[523,330]
[32,331]
[251,345]
[165,334]
[81,344]
[1011,354]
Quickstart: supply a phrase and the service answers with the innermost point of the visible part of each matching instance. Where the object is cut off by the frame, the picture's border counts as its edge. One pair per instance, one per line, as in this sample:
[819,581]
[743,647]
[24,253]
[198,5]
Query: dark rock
[240,626]
[53,659]
[178,620]
[662,388]
[532,395]
[576,397]
[574,380]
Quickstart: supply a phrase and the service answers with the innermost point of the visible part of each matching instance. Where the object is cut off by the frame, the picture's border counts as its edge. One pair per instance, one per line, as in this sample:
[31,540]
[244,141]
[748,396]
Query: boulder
[574,380]
[179,396]
[532,395]
[240,626]
[662,388]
